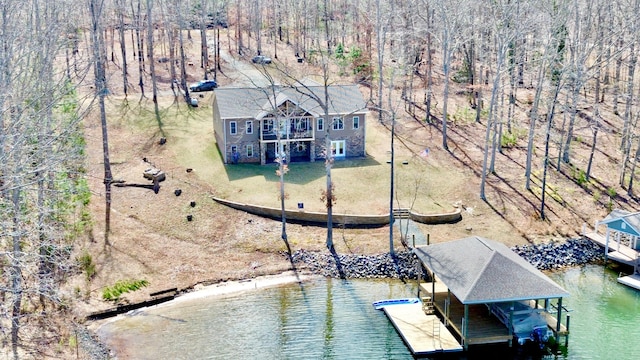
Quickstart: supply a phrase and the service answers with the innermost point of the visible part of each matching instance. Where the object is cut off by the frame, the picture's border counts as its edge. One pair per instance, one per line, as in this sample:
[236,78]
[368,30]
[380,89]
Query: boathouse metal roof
[622,220]
[479,270]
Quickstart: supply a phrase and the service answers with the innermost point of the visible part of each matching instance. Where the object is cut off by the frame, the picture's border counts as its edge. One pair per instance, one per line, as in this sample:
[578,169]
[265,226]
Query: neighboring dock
[630,280]
[617,252]
[424,334]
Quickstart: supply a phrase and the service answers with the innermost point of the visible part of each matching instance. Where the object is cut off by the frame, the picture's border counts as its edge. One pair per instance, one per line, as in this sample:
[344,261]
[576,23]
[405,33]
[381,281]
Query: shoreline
[546,257]
[96,348]
[233,287]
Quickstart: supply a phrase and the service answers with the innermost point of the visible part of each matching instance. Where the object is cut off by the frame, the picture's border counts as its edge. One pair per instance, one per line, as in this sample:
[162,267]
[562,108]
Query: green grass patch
[579,175]
[463,115]
[113,293]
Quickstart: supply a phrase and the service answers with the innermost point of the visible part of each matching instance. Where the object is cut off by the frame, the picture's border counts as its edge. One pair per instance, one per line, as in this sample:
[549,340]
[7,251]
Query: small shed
[480,273]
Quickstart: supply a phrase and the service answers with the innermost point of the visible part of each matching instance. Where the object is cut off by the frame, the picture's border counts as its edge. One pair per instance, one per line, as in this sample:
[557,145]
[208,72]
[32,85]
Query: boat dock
[630,280]
[423,334]
[617,252]
[483,328]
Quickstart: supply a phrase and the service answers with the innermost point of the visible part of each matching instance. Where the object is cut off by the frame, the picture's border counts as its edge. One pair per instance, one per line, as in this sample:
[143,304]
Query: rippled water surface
[334,319]
[605,321]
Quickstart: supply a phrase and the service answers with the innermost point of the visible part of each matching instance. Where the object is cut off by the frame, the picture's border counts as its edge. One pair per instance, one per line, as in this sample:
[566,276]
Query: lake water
[334,319]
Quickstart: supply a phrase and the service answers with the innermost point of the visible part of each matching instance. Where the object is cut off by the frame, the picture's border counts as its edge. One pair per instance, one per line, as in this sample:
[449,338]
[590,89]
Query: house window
[338,148]
[267,126]
[234,149]
[249,127]
[233,128]
[338,124]
[250,150]
[302,124]
[356,122]
[320,122]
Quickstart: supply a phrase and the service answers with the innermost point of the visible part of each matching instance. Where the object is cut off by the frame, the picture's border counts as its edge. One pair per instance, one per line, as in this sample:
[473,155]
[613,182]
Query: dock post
[559,315]
[566,337]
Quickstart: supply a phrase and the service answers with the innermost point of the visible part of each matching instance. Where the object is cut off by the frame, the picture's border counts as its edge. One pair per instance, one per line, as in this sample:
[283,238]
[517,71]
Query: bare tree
[98,57]
[280,120]
[152,65]
[120,9]
[448,16]
[324,101]
[505,35]
[35,150]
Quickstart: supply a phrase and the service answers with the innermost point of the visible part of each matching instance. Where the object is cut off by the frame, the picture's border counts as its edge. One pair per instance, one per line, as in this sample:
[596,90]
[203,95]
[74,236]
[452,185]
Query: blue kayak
[378,305]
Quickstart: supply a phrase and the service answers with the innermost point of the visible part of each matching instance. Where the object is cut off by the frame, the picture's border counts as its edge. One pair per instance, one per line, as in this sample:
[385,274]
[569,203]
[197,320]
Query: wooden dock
[618,253]
[424,334]
[630,280]
[483,328]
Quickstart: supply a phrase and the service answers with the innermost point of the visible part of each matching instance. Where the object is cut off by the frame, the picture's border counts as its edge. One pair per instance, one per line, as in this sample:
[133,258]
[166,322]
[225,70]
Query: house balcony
[292,135]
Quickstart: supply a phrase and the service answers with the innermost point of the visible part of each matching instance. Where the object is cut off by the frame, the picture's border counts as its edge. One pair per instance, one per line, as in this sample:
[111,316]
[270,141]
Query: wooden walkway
[619,253]
[424,334]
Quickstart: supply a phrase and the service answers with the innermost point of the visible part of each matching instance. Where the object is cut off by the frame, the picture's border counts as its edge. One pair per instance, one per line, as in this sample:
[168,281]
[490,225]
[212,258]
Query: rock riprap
[546,256]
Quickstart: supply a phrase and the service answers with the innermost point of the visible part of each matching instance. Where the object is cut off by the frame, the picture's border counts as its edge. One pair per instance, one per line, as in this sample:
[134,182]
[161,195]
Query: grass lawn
[362,186]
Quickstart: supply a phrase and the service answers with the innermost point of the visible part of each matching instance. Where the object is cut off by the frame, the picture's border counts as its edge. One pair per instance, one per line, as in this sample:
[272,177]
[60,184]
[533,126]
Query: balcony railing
[287,135]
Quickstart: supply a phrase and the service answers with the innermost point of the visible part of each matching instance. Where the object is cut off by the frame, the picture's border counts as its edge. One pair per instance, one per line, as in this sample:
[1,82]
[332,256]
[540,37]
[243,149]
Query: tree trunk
[238,28]
[626,139]
[123,47]
[139,40]
[532,126]
[152,65]
[633,170]
[381,40]
[617,80]
[204,46]
[183,68]
[445,96]
[101,90]
[491,125]
[16,269]
[545,164]
[429,92]
[593,149]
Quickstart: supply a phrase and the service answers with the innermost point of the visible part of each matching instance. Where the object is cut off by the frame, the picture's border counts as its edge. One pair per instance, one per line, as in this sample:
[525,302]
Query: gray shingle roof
[249,103]
[478,270]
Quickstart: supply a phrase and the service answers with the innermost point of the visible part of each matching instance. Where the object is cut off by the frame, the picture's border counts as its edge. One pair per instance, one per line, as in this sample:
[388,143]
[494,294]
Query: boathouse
[621,242]
[624,227]
[486,293]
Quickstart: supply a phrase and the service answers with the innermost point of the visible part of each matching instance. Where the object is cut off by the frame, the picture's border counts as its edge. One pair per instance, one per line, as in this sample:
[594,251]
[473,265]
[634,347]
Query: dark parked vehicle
[261,59]
[204,85]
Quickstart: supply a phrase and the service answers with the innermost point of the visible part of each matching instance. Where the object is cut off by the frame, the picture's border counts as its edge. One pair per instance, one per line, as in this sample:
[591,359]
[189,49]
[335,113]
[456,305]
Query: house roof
[618,216]
[252,103]
[478,270]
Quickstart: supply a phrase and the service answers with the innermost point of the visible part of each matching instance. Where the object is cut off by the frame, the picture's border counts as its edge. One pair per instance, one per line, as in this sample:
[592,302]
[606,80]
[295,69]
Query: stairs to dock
[401,213]
[427,305]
